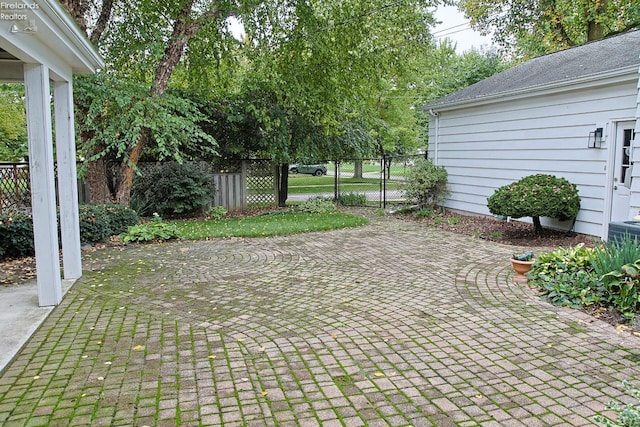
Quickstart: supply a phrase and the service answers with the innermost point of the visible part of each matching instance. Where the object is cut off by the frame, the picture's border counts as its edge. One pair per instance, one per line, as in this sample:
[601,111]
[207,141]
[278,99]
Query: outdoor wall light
[595,138]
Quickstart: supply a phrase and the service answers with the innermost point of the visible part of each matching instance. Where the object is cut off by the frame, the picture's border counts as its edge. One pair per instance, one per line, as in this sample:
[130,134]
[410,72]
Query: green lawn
[347,168]
[268,225]
[308,184]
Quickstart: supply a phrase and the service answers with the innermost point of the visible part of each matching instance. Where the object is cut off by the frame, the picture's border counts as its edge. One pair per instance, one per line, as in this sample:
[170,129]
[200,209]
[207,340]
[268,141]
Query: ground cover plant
[605,278]
[626,415]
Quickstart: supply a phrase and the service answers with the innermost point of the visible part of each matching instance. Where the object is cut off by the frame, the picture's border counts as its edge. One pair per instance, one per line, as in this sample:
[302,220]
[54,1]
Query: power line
[454,32]
[450,28]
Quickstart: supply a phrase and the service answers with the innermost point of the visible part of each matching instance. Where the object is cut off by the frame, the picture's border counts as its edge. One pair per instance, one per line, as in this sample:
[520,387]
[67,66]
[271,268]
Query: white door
[622,172]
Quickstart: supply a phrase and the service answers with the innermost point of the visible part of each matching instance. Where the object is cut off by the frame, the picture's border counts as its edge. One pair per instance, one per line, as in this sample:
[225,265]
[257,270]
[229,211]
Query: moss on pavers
[389,324]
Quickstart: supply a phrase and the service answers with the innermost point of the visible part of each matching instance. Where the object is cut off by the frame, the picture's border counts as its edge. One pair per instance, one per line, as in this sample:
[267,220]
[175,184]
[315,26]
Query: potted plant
[521,265]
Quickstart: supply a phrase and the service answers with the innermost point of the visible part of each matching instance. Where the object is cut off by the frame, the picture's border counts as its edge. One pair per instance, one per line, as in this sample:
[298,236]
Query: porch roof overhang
[41,32]
[42,46]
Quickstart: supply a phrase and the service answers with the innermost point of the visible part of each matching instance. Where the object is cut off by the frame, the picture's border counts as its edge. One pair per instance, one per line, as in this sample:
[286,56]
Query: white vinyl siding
[484,147]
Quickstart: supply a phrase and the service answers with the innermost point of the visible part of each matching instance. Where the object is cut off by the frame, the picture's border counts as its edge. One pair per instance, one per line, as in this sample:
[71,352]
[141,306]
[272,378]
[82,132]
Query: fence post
[384,181]
[336,182]
[243,184]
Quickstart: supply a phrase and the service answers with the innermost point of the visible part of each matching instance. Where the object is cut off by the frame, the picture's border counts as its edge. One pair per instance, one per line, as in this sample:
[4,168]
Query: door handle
[615,187]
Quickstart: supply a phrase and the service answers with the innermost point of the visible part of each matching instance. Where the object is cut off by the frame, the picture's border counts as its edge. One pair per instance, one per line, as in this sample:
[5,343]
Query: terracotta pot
[521,268]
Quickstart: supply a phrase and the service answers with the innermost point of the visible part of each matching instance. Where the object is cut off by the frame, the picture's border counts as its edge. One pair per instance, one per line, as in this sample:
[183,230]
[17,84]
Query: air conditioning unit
[617,230]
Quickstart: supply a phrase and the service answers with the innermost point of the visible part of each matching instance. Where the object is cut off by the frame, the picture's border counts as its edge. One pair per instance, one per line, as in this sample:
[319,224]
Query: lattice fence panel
[15,190]
[260,182]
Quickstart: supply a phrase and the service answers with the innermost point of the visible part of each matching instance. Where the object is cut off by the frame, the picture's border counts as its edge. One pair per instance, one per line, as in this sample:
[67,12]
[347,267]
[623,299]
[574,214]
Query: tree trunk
[357,169]
[127,169]
[595,31]
[537,226]
[283,184]
[97,178]
[183,29]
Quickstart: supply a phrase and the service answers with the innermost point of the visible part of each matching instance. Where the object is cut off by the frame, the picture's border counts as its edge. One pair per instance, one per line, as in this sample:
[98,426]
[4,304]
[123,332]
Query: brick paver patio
[390,324]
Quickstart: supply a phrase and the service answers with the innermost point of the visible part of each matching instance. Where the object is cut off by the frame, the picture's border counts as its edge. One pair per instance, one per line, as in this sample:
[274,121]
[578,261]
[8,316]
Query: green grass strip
[268,225]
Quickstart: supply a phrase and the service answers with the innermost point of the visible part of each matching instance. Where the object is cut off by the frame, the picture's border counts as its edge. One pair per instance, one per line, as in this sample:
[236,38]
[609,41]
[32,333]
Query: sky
[456,27]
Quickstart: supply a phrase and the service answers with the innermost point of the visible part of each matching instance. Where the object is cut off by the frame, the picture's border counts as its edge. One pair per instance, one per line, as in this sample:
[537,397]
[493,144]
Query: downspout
[437,135]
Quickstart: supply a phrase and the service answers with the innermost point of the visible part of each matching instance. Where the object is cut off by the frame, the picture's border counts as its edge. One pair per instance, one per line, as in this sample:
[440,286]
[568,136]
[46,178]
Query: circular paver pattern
[390,324]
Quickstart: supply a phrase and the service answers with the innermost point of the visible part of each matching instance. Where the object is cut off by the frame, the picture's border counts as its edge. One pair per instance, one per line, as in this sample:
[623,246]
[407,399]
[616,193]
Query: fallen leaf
[213,356]
[334,336]
[378,374]
[138,347]
[100,378]
[264,393]
[36,377]
[108,363]
[479,396]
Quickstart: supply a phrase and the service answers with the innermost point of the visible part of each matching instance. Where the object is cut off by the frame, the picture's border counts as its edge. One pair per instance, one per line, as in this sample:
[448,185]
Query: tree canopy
[307,72]
[13,123]
[533,27]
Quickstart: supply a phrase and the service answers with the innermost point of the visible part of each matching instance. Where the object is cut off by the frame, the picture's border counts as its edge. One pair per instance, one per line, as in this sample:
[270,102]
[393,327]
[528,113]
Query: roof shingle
[590,59]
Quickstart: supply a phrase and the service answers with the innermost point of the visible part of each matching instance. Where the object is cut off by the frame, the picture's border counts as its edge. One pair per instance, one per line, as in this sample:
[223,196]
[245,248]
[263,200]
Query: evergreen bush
[426,184]
[172,188]
[16,235]
[94,223]
[120,217]
[97,223]
[536,196]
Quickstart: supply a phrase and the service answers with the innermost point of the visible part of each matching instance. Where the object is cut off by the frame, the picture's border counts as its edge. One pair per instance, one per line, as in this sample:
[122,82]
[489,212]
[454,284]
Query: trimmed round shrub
[536,196]
[98,222]
[172,188]
[120,218]
[94,223]
[16,235]
[426,184]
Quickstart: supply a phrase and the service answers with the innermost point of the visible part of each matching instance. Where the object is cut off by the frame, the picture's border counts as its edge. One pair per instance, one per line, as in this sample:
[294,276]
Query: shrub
[172,188]
[352,199]
[94,223]
[16,235]
[120,217]
[98,222]
[317,205]
[426,184]
[536,196]
[154,230]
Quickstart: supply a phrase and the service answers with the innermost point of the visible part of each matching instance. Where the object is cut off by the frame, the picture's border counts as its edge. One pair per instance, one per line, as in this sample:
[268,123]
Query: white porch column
[43,194]
[67,179]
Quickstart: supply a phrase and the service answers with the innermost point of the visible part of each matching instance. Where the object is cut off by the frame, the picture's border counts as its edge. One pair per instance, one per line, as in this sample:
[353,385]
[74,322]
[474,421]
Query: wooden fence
[250,182]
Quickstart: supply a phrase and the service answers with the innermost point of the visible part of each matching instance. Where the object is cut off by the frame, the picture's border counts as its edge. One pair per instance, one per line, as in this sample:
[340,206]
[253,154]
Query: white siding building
[571,114]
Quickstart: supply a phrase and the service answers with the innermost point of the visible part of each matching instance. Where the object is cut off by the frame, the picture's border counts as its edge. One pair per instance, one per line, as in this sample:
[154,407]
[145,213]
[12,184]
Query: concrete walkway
[390,324]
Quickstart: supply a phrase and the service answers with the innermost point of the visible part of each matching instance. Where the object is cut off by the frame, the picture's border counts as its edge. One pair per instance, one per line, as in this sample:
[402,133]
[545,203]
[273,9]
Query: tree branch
[103,20]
